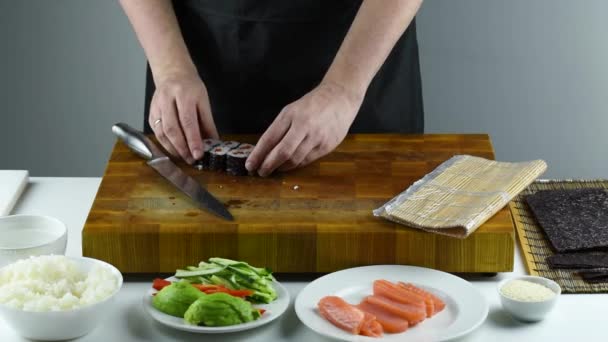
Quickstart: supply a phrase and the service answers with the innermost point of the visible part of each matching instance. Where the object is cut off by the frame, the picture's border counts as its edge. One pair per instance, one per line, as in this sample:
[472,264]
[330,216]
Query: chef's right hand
[180,115]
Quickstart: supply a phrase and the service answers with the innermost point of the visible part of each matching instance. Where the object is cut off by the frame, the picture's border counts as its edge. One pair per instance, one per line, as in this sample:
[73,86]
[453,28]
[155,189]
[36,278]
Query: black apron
[257,56]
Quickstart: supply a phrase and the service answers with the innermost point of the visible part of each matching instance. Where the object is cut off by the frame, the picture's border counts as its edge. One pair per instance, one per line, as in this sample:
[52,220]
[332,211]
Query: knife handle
[137,141]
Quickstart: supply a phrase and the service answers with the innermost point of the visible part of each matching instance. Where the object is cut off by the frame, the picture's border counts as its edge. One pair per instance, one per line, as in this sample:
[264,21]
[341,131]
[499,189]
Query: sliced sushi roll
[208,144]
[235,162]
[246,147]
[212,142]
[231,144]
[217,158]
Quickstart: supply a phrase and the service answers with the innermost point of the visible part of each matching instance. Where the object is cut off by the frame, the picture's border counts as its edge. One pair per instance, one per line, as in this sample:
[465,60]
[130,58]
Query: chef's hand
[181,103]
[306,129]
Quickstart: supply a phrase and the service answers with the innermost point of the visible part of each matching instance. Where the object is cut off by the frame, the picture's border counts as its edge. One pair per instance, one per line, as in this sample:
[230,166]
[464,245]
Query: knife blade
[146,149]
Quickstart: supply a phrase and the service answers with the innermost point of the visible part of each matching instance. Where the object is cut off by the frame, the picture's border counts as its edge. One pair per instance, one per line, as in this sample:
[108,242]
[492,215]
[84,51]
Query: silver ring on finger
[157,121]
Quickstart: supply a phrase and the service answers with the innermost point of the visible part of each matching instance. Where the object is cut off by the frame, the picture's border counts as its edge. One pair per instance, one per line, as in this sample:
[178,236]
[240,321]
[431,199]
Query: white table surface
[69,199]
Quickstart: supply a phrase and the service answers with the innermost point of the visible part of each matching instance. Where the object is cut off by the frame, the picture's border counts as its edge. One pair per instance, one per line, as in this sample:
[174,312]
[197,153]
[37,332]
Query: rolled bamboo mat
[534,243]
[460,194]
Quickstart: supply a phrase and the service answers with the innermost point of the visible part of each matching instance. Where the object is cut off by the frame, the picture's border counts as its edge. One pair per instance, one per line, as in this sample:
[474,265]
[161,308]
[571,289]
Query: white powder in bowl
[53,283]
[526,291]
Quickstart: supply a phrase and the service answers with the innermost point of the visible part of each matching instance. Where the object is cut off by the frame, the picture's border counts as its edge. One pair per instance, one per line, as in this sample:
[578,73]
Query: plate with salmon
[391,303]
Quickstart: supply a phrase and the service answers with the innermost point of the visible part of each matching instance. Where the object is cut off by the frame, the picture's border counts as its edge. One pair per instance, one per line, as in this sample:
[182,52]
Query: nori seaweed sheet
[595,277]
[578,260]
[573,220]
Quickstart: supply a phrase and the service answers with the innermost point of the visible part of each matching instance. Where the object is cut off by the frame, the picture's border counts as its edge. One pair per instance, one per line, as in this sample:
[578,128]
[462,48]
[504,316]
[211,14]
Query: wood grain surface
[315,219]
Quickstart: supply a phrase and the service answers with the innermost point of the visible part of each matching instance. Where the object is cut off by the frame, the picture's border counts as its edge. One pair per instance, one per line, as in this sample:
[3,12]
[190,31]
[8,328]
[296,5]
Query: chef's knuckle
[171,130]
[283,154]
[187,121]
[290,146]
[324,145]
[290,113]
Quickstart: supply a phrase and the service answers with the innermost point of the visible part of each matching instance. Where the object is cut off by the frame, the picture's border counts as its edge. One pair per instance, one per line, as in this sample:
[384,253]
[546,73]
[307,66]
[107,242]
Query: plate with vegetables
[217,296]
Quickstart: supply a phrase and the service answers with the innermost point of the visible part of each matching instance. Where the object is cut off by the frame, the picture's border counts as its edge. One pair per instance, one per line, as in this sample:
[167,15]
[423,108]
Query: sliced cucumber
[198,271]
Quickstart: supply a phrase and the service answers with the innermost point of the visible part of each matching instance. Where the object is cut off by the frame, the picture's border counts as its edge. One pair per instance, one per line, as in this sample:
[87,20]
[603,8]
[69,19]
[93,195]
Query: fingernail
[249,165]
[196,153]
[263,173]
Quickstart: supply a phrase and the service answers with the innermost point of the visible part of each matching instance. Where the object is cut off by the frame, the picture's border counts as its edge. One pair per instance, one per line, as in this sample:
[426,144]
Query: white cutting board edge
[12,184]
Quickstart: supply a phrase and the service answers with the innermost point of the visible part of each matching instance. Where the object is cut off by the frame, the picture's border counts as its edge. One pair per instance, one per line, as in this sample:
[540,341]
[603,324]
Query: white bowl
[62,325]
[22,236]
[530,311]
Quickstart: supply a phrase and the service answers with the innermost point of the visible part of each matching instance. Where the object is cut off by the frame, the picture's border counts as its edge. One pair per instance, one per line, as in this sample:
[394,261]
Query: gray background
[532,74]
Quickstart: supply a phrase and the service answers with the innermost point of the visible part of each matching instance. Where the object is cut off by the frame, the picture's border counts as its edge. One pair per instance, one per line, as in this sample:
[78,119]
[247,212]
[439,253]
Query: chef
[303,72]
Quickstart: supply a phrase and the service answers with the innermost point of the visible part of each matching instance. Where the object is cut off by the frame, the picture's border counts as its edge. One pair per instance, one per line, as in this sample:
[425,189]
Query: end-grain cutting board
[316,219]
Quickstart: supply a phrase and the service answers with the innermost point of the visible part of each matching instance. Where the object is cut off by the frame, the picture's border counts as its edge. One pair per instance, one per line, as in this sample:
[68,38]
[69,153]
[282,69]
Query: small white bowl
[22,236]
[63,325]
[529,311]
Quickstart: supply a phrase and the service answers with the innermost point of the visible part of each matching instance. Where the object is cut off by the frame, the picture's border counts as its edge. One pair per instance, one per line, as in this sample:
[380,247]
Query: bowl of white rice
[54,297]
[528,298]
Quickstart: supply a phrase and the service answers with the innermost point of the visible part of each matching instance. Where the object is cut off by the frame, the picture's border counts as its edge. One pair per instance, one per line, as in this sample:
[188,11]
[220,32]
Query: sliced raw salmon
[371,327]
[389,290]
[428,301]
[390,323]
[439,304]
[412,313]
[341,314]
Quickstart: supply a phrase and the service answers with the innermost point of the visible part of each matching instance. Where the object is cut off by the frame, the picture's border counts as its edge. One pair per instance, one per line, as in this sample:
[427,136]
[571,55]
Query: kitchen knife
[146,149]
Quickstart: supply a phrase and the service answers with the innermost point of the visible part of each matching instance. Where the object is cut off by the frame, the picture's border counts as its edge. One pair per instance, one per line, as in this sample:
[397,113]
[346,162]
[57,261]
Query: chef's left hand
[306,129]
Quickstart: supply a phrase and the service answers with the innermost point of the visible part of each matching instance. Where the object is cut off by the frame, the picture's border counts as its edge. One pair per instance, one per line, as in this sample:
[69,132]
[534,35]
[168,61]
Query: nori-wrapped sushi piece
[217,158]
[235,162]
[208,144]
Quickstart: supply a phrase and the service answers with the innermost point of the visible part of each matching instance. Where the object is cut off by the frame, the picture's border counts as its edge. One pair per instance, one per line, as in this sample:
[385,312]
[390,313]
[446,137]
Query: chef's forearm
[371,37]
[159,34]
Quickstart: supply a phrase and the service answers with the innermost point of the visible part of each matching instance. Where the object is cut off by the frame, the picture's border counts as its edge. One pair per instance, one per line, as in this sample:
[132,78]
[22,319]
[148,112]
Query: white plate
[466,308]
[273,311]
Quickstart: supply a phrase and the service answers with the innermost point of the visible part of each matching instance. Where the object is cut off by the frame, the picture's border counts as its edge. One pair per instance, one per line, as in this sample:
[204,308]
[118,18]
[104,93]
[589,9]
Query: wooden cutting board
[316,219]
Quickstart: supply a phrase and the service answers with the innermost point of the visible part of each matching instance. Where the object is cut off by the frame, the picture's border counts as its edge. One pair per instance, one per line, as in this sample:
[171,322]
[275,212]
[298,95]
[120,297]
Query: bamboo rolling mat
[460,194]
[534,243]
